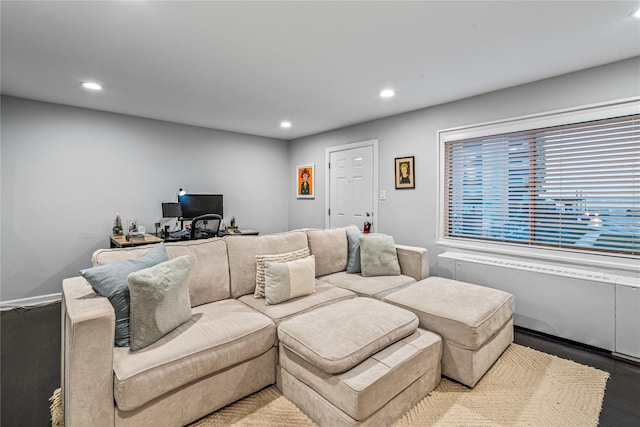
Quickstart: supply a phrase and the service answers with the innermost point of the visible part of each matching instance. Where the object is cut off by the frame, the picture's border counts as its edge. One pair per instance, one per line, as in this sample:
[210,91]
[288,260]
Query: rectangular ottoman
[357,362]
[475,323]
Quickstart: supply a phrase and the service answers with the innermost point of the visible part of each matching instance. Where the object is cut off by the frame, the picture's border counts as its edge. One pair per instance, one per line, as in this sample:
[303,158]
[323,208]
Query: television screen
[194,205]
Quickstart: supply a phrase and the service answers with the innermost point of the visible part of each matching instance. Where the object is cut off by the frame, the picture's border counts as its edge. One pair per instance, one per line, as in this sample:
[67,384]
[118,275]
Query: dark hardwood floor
[30,369]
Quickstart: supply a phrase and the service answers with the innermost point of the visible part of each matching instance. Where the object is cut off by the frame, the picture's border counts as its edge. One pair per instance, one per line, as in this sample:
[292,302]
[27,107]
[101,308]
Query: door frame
[327,197]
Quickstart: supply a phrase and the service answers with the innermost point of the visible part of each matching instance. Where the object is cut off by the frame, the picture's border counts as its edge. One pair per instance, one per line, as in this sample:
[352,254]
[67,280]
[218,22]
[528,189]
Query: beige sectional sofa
[229,347]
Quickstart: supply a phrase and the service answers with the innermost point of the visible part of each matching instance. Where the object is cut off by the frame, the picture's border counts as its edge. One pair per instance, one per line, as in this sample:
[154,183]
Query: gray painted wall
[66,171]
[410,215]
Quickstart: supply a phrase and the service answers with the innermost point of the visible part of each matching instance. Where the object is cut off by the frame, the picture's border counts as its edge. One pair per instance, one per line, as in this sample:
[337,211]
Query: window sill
[620,264]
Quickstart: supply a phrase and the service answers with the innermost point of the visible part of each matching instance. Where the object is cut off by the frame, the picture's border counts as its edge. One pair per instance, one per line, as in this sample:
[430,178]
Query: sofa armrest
[414,261]
[88,329]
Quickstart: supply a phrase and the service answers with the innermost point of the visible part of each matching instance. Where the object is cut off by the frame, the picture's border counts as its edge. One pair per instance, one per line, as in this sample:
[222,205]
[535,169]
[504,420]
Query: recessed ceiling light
[91,86]
[285,124]
[636,14]
[387,93]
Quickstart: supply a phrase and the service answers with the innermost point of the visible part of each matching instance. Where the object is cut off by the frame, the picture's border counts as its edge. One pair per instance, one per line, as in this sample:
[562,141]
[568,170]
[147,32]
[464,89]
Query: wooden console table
[238,232]
[122,242]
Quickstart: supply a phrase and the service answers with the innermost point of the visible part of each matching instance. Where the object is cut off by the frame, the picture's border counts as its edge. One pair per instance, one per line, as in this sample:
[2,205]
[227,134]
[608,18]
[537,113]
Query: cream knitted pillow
[260,268]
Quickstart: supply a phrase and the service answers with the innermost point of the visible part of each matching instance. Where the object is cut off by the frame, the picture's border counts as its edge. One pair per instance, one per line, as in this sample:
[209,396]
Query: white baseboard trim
[30,302]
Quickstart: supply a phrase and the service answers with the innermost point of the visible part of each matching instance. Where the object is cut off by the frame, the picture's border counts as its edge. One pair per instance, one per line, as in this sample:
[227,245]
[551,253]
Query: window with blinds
[570,186]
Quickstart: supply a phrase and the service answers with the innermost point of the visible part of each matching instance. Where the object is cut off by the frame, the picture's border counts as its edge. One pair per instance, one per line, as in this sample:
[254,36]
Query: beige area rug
[525,387]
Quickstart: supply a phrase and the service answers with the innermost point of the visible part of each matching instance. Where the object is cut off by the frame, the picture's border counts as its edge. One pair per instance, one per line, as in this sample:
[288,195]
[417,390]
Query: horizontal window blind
[571,186]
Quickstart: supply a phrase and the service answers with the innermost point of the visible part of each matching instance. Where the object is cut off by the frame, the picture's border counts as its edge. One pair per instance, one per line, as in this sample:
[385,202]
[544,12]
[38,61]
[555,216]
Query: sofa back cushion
[109,256]
[209,279]
[242,256]
[330,248]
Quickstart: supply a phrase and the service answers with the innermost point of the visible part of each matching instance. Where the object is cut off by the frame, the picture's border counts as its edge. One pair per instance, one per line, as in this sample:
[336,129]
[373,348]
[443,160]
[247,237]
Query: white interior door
[351,186]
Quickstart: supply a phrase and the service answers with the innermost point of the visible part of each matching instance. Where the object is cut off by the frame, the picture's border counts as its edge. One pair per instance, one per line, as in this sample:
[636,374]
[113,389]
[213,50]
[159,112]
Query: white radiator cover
[570,303]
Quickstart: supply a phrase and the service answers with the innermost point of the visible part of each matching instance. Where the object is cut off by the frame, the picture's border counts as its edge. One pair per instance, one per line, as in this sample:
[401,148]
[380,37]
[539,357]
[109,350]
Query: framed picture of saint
[405,172]
[305,179]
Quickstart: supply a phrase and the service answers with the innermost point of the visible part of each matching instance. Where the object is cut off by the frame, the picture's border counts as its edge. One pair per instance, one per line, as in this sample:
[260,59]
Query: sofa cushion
[242,252]
[159,301]
[218,335]
[378,256]
[324,294]
[262,259]
[367,387]
[374,287]
[337,337]
[330,248]
[462,313]
[414,261]
[112,255]
[110,280]
[288,280]
[209,278]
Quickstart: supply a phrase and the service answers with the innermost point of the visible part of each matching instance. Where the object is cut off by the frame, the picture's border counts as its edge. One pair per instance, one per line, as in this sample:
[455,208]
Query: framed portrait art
[405,172]
[305,179]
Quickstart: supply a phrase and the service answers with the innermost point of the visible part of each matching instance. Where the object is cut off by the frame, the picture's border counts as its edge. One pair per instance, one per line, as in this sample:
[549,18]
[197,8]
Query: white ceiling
[246,66]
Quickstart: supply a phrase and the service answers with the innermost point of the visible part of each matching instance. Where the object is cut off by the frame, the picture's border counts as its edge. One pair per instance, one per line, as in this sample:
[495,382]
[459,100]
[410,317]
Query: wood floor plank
[30,366]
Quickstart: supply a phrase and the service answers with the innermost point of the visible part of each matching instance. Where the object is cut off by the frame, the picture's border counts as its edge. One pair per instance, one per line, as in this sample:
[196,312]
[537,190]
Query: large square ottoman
[357,362]
[475,323]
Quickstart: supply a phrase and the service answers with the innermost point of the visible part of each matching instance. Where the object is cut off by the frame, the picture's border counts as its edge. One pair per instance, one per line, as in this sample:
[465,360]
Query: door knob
[368,214]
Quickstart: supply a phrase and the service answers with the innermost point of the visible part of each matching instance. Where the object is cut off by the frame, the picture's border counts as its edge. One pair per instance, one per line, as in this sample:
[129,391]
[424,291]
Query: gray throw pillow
[159,300]
[287,280]
[353,262]
[111,281]
[378,256]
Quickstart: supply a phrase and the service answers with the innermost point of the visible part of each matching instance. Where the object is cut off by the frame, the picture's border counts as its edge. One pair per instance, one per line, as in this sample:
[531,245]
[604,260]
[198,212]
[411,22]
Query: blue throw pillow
[111,281]
[353,261]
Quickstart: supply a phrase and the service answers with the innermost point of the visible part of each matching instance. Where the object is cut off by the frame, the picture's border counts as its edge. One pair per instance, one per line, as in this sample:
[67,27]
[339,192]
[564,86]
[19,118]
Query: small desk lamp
[181,192]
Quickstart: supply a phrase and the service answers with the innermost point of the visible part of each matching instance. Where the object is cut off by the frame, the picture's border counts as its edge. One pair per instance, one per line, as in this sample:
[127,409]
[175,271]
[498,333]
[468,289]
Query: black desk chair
[205,226]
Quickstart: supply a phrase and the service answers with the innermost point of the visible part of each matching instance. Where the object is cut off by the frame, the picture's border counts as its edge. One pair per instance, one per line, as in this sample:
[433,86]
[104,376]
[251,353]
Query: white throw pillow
[287,280]
[262,259]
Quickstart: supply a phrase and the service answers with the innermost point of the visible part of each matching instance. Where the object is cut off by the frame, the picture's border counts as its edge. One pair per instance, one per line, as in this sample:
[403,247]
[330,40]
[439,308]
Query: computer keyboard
[179,234]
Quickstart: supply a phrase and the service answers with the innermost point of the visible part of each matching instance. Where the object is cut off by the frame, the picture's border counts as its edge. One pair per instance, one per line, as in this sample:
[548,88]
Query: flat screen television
[194,205]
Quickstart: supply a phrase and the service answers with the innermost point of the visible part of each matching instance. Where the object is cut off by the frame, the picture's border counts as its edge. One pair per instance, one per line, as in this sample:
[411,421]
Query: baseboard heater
[593,308]
[554,270]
